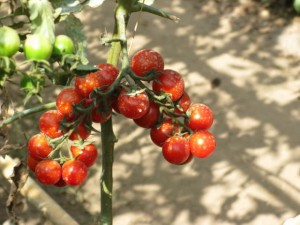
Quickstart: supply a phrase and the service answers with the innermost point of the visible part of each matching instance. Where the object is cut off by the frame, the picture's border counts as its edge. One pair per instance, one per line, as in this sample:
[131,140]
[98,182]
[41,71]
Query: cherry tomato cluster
[152,96]
[175,124]
[61,155]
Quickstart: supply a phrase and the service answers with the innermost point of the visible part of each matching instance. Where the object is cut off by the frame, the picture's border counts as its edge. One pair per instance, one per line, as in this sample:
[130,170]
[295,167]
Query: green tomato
[296,5]
[37,47]
[63,45]
[9,41]
[32,84]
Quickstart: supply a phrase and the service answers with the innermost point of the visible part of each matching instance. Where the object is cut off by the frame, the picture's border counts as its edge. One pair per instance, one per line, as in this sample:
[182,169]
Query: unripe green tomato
[9,41]
[297,5]
[63,45]
[37,47]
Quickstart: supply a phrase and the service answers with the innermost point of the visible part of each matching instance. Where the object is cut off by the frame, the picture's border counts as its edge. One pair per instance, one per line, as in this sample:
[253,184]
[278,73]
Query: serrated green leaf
[147,2]
[42,19]
[95,3]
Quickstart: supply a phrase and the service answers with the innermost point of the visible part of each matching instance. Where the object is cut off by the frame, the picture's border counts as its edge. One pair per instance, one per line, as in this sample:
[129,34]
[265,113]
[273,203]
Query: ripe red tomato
[38,147]
[63,45]
[108,72]
[146,60]
[202,144]
[88,155]
[85,85]
[176,150]
[37,47]
[60,183]
[170,82]
[65,100]
[50,123]
[81,132]
[150,118]
[98,116]
[48,172]
[9,41]
[200,117]
[189,159]
[74,172]
[183,104]
[133,106]
[31,163]
[160,134]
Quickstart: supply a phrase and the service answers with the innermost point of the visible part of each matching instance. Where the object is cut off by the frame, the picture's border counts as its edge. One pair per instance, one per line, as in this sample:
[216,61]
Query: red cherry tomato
[160,134]
[170,82]
[150,118]
[202,144]
[48,172]
[176,150]
[88,155]
[98,116]
[38,147]
[60,183]
[74,172]
[31,163]
[81,132]
[183,104]
[50,123]
[146,60]
[65,100]
[108,72]
[200,117]
[133,106]
[85,85]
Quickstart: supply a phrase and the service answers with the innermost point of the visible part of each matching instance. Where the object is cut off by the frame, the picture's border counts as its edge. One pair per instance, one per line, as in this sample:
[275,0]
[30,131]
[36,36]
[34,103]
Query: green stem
[27,112]
[107,134]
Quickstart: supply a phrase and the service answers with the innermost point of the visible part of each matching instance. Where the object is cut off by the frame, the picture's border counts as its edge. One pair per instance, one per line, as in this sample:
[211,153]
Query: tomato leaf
[74,28]
[82,70]
[147,2]
[42,19]
[67,6]
[95,3]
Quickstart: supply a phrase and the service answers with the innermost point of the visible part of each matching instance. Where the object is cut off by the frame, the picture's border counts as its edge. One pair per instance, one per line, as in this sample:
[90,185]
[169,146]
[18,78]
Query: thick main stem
[107,134]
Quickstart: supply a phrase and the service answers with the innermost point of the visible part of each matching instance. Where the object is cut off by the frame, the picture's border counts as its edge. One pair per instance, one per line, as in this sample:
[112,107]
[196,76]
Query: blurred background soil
[241,58]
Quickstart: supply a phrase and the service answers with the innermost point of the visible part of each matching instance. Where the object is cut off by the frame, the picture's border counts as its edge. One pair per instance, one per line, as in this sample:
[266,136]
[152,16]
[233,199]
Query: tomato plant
[139,88]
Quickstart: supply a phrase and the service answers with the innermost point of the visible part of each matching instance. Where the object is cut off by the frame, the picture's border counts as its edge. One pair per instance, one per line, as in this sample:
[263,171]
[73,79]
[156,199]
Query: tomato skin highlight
[65,100]
[169,82]
[37,47]
[9,41]
[63,45]
[150,118]
[202,144]
[48,172]
[146,60]
[74,172]
[38,147]
[88,155]
[176,150]
[49,123]
[161,133]
[200,117]
[133,106]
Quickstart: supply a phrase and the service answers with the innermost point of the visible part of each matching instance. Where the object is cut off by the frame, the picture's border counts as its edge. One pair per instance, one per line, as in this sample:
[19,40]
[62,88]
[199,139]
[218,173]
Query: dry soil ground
[253,177]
